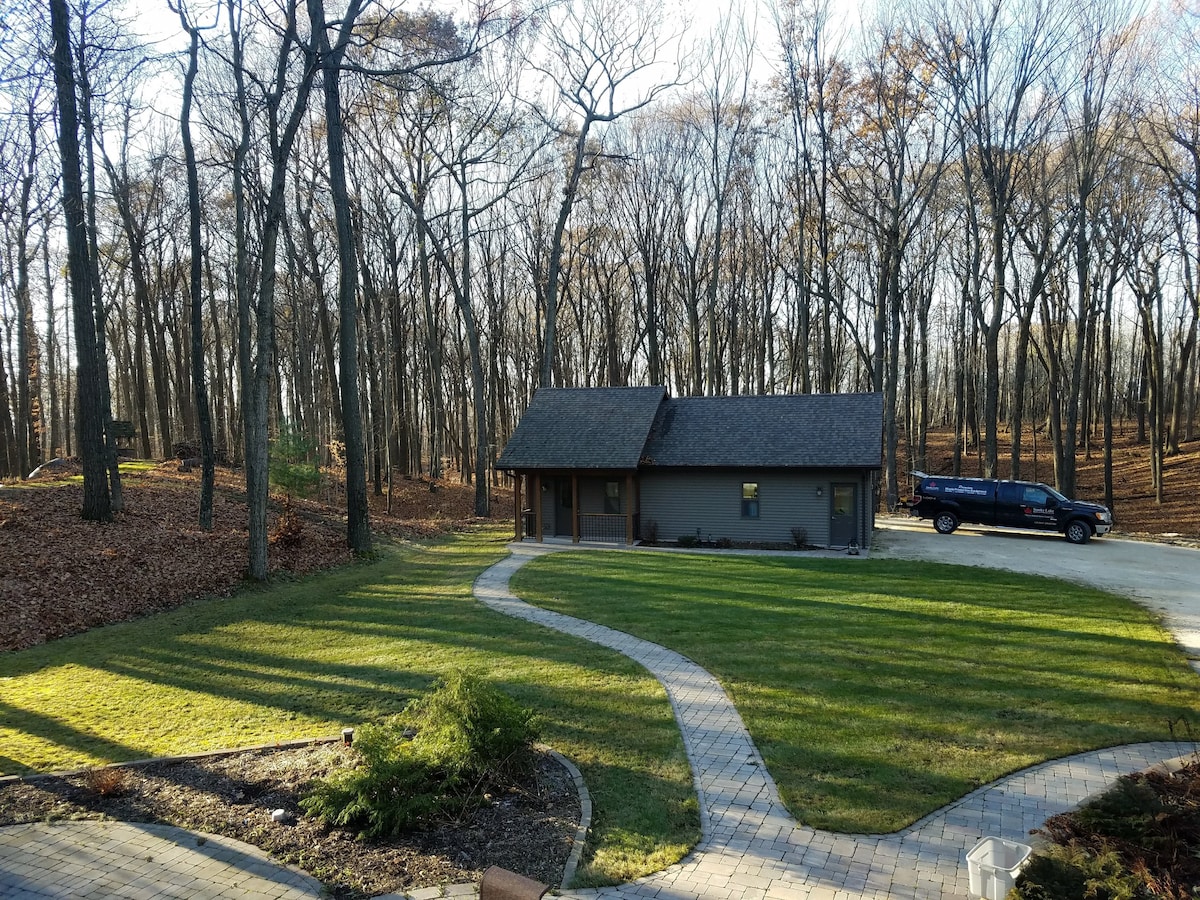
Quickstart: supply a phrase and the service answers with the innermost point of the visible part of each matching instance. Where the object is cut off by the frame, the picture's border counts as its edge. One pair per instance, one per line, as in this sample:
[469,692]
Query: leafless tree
[602,55]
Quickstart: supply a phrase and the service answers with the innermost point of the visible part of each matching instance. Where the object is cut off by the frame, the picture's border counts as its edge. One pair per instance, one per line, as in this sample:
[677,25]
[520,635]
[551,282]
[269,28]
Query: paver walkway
[752,849]
[138,861]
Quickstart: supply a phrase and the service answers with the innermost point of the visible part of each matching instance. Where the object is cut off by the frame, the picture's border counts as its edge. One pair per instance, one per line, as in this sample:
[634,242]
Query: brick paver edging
[751,848]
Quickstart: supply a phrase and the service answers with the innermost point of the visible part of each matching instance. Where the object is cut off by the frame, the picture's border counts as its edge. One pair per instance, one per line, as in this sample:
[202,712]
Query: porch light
[820,491]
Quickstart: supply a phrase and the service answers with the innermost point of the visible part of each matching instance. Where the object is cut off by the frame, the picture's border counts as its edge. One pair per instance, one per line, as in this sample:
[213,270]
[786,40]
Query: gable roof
[773,431]
[583,428]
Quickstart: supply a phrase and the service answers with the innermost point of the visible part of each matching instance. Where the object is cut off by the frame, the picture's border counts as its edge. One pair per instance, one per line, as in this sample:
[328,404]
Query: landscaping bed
[526,826]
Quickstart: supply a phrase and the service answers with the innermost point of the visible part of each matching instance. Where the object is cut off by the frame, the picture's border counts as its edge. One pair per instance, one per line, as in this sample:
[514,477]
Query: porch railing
[607,527]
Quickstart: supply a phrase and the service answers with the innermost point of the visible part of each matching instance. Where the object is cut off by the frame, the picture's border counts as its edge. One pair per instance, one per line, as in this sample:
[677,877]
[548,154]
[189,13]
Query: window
[1010,492]
[749,499]
[1034,496]
[612,497]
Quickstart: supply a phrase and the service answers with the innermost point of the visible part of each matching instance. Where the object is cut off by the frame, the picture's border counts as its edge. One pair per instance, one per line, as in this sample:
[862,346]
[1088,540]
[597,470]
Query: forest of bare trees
[385,232]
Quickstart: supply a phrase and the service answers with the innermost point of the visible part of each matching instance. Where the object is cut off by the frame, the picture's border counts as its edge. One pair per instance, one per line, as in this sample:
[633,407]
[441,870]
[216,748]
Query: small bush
[471,727]
[800,538]
[649,531]
[1072,873]
[688,540]
[442,752]
[1130,810]
[725,543]
[289,528]
[104,782]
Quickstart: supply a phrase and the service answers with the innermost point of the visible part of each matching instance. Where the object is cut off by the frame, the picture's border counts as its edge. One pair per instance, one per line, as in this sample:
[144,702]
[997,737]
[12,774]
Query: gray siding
[681,502]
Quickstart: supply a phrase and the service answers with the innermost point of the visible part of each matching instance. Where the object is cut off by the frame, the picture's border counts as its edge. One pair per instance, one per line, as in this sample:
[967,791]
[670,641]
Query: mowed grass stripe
[303,658]
[880,690]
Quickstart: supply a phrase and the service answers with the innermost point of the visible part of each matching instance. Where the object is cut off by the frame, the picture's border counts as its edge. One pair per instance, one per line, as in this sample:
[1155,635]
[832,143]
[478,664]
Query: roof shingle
[583,428]
[792,431]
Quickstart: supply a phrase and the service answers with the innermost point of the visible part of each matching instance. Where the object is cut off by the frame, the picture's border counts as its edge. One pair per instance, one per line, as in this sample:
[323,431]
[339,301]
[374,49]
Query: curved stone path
[752,849]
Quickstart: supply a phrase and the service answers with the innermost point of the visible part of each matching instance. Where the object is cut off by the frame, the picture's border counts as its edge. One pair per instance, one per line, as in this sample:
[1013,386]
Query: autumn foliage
[60,575]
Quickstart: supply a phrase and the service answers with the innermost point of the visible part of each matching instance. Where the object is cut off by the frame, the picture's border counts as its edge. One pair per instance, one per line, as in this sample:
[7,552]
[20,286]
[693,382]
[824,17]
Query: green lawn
[304,658]
[880,690]
[130,468]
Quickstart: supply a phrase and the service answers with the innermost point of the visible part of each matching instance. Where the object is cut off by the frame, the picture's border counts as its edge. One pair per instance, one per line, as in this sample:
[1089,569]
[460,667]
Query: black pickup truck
[950,501]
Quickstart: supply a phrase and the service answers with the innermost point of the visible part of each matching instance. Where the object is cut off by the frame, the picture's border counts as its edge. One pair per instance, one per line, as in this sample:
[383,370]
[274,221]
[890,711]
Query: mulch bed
[526,827]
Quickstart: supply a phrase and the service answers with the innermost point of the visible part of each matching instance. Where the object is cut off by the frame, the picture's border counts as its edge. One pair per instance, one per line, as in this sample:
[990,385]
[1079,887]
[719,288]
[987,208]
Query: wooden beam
[629,508]
[520,523]
[575,507]
[536,500]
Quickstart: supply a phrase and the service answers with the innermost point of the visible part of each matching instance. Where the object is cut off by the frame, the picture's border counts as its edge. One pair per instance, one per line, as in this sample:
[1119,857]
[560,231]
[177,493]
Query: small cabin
[629,465]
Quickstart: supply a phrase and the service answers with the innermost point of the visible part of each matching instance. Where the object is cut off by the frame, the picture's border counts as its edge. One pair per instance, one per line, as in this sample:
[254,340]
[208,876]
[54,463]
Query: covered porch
[582,505]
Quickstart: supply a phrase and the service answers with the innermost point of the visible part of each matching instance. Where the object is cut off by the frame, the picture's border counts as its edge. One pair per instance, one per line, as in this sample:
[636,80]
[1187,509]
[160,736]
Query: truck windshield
[1053,493]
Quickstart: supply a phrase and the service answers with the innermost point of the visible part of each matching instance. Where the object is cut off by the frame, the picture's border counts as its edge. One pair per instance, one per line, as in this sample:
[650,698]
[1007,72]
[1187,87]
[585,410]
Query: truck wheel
[945,522]
[1078,531]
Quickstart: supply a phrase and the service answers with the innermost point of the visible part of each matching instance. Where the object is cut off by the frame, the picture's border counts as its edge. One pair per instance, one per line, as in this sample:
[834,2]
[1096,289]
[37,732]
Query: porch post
[517,478]
[575,507]
[536,500]
[629,499]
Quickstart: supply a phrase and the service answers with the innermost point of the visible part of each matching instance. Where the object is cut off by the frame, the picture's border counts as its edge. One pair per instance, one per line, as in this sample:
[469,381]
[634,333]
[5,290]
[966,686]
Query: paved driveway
[1163,578]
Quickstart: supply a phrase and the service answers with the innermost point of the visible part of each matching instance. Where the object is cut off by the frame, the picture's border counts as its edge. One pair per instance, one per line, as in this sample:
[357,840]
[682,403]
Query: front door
[565,509]
[843,515]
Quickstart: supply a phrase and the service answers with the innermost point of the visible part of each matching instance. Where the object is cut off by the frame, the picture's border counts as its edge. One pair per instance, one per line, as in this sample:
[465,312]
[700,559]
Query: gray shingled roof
[583,428]
[804,430]
[620,428]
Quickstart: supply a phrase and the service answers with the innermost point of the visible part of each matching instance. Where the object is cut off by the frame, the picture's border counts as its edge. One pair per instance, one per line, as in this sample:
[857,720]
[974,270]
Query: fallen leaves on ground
[60,575]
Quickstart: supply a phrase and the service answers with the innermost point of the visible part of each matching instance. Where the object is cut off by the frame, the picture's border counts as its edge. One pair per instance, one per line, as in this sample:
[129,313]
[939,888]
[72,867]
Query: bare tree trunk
[358,527]
[57,444]
[195,292]
[28,429]
[97,502]
[116,494]
[9,465]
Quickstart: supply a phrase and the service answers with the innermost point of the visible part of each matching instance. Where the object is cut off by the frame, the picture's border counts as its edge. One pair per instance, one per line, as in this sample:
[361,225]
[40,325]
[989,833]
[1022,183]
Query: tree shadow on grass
[58,732]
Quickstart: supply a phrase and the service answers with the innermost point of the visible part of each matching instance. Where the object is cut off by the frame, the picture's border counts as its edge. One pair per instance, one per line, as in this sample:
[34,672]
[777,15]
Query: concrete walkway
[751,848]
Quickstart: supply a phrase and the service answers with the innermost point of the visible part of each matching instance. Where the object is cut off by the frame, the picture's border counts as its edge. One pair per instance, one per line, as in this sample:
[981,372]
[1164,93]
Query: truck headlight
[1105,517]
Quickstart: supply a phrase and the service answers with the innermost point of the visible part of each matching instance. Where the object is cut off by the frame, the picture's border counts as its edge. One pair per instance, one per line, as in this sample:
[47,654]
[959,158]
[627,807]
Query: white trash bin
[993,865]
